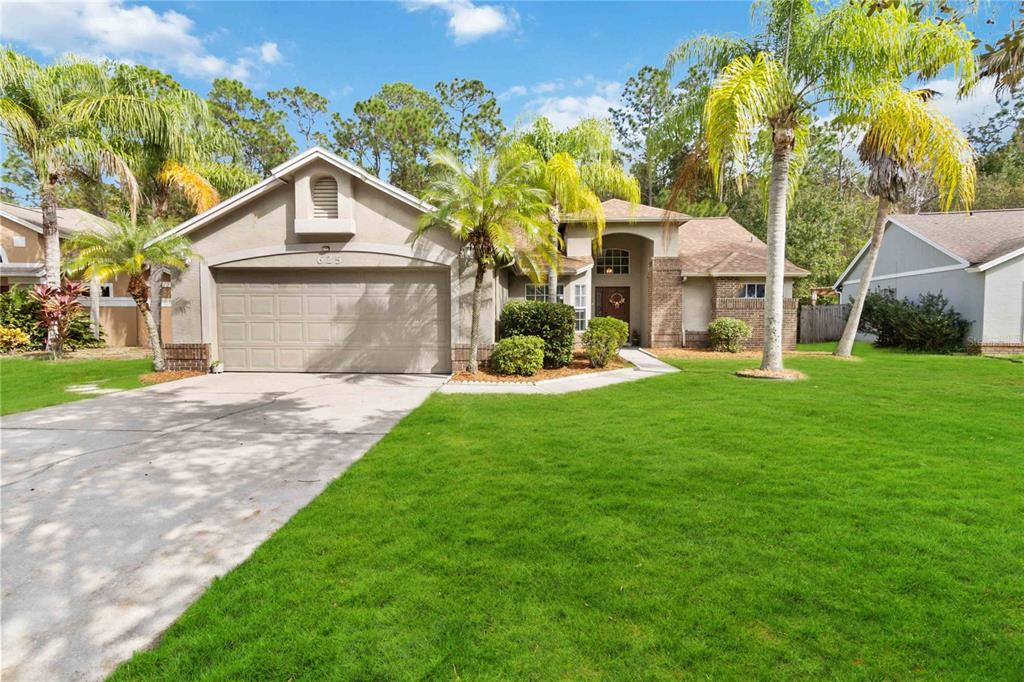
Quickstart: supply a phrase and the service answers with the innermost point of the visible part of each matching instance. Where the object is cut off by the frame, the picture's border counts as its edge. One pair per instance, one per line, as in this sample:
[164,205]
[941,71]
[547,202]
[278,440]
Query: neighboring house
[315,269]
[21,264]
[976,260]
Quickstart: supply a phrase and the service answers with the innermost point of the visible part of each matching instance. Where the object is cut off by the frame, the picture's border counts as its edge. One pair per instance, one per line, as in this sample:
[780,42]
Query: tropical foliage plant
[496,212]
[132,249]
[907,136]
[578,167]
[768,87]
[58,307]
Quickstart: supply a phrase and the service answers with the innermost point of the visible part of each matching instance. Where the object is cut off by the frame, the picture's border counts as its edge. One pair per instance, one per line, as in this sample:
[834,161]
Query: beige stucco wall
[697,304]
[261,234]
[1004,303]
[32,252]
[640,250]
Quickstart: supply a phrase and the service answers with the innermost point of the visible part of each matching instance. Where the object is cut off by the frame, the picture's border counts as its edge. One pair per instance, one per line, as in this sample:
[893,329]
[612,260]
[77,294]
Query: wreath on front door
[616,300]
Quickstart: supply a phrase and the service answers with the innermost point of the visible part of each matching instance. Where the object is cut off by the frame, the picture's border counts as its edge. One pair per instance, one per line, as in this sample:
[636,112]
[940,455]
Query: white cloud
[971,110]
[468,22]
[514,91]
[110,28]
[567,110]
[269,54]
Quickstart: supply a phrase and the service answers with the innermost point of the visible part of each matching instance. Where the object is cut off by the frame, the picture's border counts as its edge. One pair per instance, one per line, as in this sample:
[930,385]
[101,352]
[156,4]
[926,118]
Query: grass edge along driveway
[28,384]
[862,524]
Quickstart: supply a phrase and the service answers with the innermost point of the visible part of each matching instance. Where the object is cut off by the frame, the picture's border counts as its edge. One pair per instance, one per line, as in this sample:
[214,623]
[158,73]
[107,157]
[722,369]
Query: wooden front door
[614,302]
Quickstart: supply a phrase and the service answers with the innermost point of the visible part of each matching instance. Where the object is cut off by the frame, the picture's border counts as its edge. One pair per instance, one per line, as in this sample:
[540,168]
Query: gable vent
[325,198]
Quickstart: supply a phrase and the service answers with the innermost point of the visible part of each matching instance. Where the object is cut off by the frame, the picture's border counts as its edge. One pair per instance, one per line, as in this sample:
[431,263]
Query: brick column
[665,303]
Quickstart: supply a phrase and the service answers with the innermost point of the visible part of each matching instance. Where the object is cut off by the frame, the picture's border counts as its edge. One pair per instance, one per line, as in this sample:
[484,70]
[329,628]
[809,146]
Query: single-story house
[21,264]
[976,260]
[315,269]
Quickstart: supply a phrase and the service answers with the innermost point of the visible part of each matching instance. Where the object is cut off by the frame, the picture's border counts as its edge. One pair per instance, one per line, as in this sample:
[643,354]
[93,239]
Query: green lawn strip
[30,384]
[862,524]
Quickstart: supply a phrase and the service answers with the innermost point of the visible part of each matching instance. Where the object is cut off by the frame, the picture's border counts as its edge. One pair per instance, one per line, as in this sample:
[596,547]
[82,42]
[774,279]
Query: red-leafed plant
[57,309]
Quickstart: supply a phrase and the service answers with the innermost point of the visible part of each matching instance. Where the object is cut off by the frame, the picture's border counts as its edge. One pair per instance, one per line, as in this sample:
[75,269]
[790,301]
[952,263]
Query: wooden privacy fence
[822,322]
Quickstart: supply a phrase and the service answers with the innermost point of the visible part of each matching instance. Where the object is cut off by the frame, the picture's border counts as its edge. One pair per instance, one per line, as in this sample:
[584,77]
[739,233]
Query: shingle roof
[617,210]
[976,237]
[721,246]
[68,219]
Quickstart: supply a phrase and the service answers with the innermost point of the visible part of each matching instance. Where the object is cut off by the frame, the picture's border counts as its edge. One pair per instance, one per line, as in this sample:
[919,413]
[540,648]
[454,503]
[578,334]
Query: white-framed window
[106,290]
[19,241]
[752,290]
[613,262]
[325,197]
[579,299]
[539,292]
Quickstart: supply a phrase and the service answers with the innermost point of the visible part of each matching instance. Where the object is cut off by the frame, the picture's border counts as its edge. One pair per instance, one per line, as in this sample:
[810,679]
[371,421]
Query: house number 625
[328,259]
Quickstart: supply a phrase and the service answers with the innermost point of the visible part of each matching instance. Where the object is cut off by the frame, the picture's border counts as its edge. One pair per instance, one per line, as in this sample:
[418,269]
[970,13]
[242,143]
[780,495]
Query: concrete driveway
[119,510]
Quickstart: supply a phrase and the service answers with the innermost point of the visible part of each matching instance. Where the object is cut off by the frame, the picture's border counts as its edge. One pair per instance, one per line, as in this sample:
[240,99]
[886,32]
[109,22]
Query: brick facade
[751,311]
[192,357]
[727,303]
[664,313]
[460,356]
[990,348]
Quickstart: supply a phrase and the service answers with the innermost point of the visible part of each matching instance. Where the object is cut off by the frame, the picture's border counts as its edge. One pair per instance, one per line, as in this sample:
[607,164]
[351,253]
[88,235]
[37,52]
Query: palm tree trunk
[138,289]
[845,347]
[555,215]
[474,329]
[94,306]
[156,302]
[159,365]
[774,290]
[51,252]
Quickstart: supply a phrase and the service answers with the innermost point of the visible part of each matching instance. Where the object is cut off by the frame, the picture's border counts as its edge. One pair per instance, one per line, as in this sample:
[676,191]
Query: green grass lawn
[29,384]
[867,523]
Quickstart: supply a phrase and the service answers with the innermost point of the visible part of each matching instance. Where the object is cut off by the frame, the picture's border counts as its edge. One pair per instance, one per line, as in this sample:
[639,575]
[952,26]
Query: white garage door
[379,320]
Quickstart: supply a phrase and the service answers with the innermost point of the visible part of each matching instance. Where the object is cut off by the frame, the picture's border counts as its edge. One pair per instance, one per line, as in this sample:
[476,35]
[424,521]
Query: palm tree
[577,167]
[767,89]
[131,248]
[64,117]
[1005,59]
[907,136]
[496,211]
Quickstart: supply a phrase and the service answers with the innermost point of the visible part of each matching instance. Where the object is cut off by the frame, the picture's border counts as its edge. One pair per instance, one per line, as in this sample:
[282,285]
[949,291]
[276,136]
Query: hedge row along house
[315,269]
[21,264]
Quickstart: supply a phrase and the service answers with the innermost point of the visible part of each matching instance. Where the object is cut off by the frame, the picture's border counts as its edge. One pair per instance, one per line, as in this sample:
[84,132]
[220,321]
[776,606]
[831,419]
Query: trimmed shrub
[522,355]
[727,334]
[555,323]
[13,340]
[926,325]
[603,339]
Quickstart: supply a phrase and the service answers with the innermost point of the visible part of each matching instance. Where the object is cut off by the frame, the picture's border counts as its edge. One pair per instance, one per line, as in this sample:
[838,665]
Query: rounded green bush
[555,323]
[522,355]
[727,334]
[603,339]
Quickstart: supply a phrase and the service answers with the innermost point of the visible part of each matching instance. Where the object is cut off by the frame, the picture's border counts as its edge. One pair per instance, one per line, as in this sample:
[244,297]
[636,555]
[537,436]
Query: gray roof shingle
[721,246]
[976,237]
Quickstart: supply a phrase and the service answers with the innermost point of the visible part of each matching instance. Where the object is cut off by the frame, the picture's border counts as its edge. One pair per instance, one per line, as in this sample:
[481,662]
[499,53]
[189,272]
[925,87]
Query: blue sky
[561,59]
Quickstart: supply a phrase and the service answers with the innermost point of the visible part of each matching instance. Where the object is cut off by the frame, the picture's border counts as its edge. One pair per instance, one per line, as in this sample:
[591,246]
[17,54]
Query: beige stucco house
[975,260]
[21,264]
[316,269]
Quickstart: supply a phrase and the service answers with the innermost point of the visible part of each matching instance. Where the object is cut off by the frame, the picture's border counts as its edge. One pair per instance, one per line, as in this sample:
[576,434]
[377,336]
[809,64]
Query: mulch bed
[784,375]
[698,354]
[164,377]
[579,365]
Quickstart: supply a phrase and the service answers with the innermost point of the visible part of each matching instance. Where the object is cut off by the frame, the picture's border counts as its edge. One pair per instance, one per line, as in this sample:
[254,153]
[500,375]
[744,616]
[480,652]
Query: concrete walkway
[118,511]
[644,365]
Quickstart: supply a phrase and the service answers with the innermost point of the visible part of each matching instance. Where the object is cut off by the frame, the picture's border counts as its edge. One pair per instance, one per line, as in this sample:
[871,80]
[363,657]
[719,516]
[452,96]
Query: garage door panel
[386,320]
